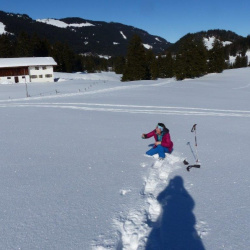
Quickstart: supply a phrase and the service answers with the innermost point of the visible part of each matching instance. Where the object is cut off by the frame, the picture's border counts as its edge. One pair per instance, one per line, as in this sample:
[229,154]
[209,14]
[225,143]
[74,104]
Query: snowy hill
[208,37]
[234,45]
[208,42]
[74,174]
[83,36]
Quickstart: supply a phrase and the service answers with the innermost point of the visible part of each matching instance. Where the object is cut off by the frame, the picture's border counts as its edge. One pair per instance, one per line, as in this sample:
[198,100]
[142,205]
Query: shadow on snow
[176,224]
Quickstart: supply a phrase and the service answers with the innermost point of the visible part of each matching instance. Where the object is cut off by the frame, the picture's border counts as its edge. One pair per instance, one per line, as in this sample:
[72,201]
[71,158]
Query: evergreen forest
[190,60]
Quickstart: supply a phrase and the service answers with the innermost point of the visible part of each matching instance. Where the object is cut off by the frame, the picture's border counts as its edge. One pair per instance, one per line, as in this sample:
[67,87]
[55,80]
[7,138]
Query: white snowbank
[104,76]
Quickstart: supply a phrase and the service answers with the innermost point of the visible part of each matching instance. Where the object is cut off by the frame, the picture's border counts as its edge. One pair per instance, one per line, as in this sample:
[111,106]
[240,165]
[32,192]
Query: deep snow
[74,175]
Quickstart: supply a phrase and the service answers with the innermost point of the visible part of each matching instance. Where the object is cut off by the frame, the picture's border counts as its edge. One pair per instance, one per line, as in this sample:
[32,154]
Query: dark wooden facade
[20,71]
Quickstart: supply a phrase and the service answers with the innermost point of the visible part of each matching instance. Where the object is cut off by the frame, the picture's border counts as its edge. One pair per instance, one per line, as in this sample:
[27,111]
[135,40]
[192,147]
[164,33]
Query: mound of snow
[103,76]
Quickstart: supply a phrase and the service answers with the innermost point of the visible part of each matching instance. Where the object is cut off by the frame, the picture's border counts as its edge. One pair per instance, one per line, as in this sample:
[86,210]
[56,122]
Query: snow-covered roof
[26,61]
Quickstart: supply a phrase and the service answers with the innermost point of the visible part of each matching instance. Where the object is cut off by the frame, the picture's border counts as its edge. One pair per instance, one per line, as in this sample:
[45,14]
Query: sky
[170,19]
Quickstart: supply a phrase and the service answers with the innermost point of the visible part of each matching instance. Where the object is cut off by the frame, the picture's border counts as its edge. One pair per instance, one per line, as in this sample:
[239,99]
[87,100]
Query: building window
[44,67]
[8,77]
[48,75]
[23,77]
[40,76]
[33,76]
[36,68]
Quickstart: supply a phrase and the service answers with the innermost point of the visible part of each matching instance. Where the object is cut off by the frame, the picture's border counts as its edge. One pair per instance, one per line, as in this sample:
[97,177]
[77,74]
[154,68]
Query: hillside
[83,36]
[228,37]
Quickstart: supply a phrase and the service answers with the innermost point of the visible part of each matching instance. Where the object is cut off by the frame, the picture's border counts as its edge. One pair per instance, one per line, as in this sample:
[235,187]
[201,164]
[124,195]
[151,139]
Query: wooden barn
[27,69]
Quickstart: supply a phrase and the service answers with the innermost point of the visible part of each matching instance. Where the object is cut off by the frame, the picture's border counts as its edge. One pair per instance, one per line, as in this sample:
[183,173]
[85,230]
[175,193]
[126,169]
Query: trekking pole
[195,138]
[196,165]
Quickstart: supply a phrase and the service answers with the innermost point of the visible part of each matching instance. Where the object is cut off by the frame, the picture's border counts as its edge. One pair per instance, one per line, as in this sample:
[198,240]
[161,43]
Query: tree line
[191,60]
[67,60]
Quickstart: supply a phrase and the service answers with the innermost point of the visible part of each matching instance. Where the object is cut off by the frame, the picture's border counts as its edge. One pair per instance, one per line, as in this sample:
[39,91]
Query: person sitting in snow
[163,143]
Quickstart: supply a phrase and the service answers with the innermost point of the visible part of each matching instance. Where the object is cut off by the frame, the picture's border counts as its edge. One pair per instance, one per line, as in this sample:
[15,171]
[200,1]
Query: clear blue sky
[170,19]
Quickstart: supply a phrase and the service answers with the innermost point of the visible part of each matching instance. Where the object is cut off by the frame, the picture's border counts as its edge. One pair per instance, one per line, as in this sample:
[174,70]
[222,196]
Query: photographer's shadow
[176,225]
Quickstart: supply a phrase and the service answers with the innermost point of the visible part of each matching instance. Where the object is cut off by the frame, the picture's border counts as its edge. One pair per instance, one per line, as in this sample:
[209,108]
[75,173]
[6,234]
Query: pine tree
[180,67]
[136,66]
[160,65]
[169,66]
[78,63]
[119,64]
[6,48]
[100,64]
[154,69]
[199,59]
[40,47]
[152,72]
[23,45]
[191,59]
[64,57]
[166,66]
[216,60]
[240,62]
[90,66]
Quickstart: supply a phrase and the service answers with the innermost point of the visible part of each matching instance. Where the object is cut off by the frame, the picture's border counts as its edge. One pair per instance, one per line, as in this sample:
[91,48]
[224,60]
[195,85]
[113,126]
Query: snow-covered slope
[2,28]
[83,36]
[209,45]
[61,24]
[209,42]
[74,175]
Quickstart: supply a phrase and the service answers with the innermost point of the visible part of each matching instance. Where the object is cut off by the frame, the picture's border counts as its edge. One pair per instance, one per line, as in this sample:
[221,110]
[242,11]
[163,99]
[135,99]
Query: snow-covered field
[74,175]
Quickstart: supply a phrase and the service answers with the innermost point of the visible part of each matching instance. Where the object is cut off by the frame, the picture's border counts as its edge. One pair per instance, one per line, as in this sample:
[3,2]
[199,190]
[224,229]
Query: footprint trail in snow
[134,229]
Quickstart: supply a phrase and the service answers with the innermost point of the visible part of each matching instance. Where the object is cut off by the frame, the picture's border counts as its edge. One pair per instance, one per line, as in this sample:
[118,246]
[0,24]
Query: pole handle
[193,128]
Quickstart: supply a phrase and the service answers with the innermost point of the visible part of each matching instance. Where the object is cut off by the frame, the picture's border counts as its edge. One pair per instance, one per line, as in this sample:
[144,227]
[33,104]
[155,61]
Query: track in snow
[134,109]
[134,228]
